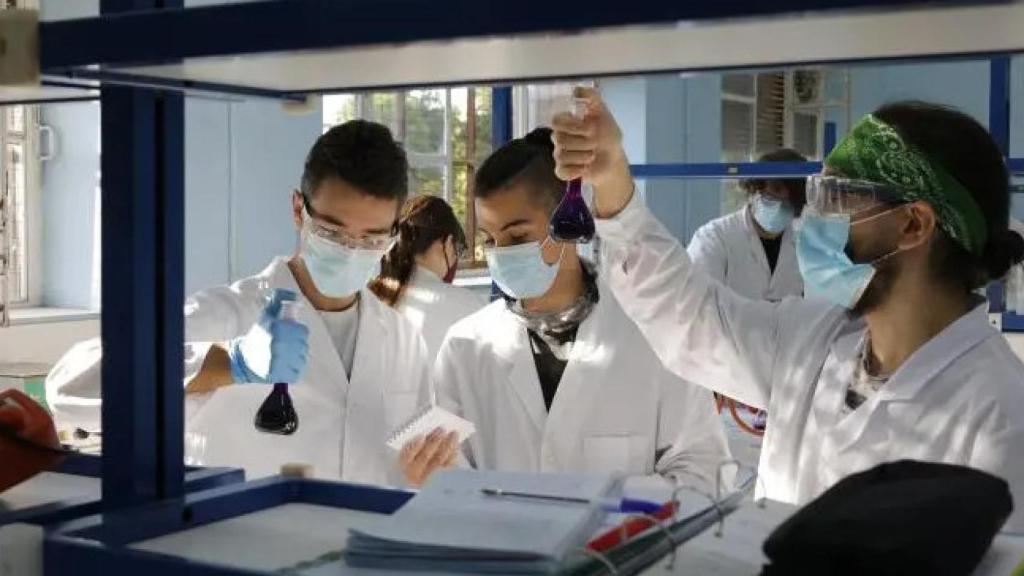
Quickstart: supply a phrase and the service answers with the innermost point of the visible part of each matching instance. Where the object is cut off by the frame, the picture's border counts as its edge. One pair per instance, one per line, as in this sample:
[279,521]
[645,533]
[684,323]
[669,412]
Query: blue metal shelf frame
[49,514]
[142,167]
[97,546]
[142,164]
[720,170]
[151,36]
[115,78]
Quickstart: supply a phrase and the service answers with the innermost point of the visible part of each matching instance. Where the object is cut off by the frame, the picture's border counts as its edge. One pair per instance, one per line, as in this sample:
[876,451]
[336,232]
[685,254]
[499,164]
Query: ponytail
[423,221]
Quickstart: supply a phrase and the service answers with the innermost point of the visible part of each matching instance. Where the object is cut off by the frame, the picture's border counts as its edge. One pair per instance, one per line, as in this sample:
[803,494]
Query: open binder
[404,549]
[696,512]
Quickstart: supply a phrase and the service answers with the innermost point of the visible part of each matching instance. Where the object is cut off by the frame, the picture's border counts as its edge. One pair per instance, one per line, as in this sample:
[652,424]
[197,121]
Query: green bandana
[873,151]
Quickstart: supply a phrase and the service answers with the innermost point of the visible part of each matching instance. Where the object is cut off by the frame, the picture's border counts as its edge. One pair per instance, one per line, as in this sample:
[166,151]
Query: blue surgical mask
[771,214]
[826,269]
[337,270]
[520,270]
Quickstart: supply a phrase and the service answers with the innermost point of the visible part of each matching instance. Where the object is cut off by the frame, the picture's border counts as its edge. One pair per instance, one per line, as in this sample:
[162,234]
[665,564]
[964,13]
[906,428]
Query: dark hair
[527,160]
[797,187]
[422,221]
[362,154]
[964,148]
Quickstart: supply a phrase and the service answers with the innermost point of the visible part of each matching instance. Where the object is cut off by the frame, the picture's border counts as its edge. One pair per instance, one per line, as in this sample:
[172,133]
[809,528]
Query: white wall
[672,119]
[45,342]
[243,159]
[70,204]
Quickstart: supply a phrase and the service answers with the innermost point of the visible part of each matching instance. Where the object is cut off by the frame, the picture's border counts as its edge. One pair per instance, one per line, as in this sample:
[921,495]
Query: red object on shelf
[633,526]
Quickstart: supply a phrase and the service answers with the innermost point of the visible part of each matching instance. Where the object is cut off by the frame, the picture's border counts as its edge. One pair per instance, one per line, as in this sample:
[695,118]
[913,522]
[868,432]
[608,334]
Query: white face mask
[520,270]
[772,215]
[339,271]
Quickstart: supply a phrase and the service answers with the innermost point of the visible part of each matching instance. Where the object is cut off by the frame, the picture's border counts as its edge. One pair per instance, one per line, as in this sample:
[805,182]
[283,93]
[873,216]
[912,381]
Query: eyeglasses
[828,195]
[337,235]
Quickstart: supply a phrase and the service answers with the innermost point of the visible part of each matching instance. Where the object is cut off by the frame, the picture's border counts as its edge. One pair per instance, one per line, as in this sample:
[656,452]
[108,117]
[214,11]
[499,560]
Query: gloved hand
[274,350]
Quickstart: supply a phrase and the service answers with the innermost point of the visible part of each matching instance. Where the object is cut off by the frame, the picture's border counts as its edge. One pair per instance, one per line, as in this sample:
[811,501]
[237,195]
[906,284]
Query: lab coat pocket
[614,453]
[399,408]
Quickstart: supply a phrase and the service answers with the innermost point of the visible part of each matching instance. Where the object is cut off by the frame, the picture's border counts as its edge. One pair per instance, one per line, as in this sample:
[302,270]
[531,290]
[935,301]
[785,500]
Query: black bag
[901,518]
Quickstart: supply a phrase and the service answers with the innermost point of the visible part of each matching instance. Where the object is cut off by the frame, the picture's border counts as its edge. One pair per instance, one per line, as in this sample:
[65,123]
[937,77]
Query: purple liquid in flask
[572,221]
[277,413]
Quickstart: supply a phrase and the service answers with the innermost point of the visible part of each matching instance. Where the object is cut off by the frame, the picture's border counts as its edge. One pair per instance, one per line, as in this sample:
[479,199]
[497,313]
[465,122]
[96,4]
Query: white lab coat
[955,400]
[433,305]
[730,251]
[616,409]
[343,424]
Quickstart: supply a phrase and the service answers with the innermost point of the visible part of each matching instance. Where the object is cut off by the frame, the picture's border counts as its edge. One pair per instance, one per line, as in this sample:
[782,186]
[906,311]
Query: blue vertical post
[142,165]
[501,115]
[501,133]
[999,127]
[829,139]
[999,102]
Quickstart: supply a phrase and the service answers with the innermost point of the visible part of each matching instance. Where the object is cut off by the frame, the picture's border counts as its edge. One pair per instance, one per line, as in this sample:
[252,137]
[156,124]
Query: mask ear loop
[561,253]
[888,255]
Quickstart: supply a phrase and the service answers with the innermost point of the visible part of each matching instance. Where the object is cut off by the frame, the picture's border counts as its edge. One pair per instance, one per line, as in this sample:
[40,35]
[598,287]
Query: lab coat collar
[515,352]
[425,275]
[930,360]
[589,353]
[372,327]
[279,275]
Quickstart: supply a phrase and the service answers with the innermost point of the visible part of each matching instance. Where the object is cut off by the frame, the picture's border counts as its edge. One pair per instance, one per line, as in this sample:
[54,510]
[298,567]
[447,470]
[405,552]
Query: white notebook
[426,420]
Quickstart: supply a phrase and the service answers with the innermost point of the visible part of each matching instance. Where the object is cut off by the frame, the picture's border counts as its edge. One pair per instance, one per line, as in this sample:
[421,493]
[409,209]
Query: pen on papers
[626,505]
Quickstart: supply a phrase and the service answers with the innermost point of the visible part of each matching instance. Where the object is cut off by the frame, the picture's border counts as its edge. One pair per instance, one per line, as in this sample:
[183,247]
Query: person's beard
[878,290]
[886,264]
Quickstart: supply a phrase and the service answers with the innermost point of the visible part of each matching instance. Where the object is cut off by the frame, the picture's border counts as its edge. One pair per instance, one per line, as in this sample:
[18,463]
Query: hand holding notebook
[425,421]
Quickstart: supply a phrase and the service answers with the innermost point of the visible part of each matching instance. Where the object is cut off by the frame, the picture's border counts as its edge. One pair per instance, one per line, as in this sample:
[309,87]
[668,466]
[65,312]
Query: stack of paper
[452,525]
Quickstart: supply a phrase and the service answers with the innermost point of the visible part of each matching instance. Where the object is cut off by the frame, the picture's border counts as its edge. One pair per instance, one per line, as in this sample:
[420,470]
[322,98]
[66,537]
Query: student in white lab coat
[417,272]
[555,376]
[752,250]
[892,356]
[358,368]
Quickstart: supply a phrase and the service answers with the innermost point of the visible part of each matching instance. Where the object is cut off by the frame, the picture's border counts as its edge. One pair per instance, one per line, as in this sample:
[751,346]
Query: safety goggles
[336,235]
[831,195]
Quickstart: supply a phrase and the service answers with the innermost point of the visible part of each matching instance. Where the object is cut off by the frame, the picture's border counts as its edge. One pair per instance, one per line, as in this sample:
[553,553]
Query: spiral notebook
[427,419]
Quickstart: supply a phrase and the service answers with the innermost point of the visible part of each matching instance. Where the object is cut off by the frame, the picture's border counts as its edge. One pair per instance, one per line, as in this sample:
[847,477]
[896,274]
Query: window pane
[459,122]
[737,131]
[546,100]
[484,145]
[15,118]
[338,109]
[381,108]
[738,84]
[771,112]
[14,178]
[424,121]
[805,134]
[460,188]
[426,180]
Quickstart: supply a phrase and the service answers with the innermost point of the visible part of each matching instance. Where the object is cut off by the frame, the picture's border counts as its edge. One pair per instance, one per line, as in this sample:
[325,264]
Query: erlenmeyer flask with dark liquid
[572,221]
[277,413]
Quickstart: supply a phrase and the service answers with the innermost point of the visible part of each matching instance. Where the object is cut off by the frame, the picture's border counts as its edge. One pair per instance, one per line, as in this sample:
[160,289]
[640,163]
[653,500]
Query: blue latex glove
[274,350]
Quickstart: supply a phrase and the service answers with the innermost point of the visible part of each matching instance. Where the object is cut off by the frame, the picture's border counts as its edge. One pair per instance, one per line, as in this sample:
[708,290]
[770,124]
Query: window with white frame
[765,111]
[534,105]
[20,235]
[446,133]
